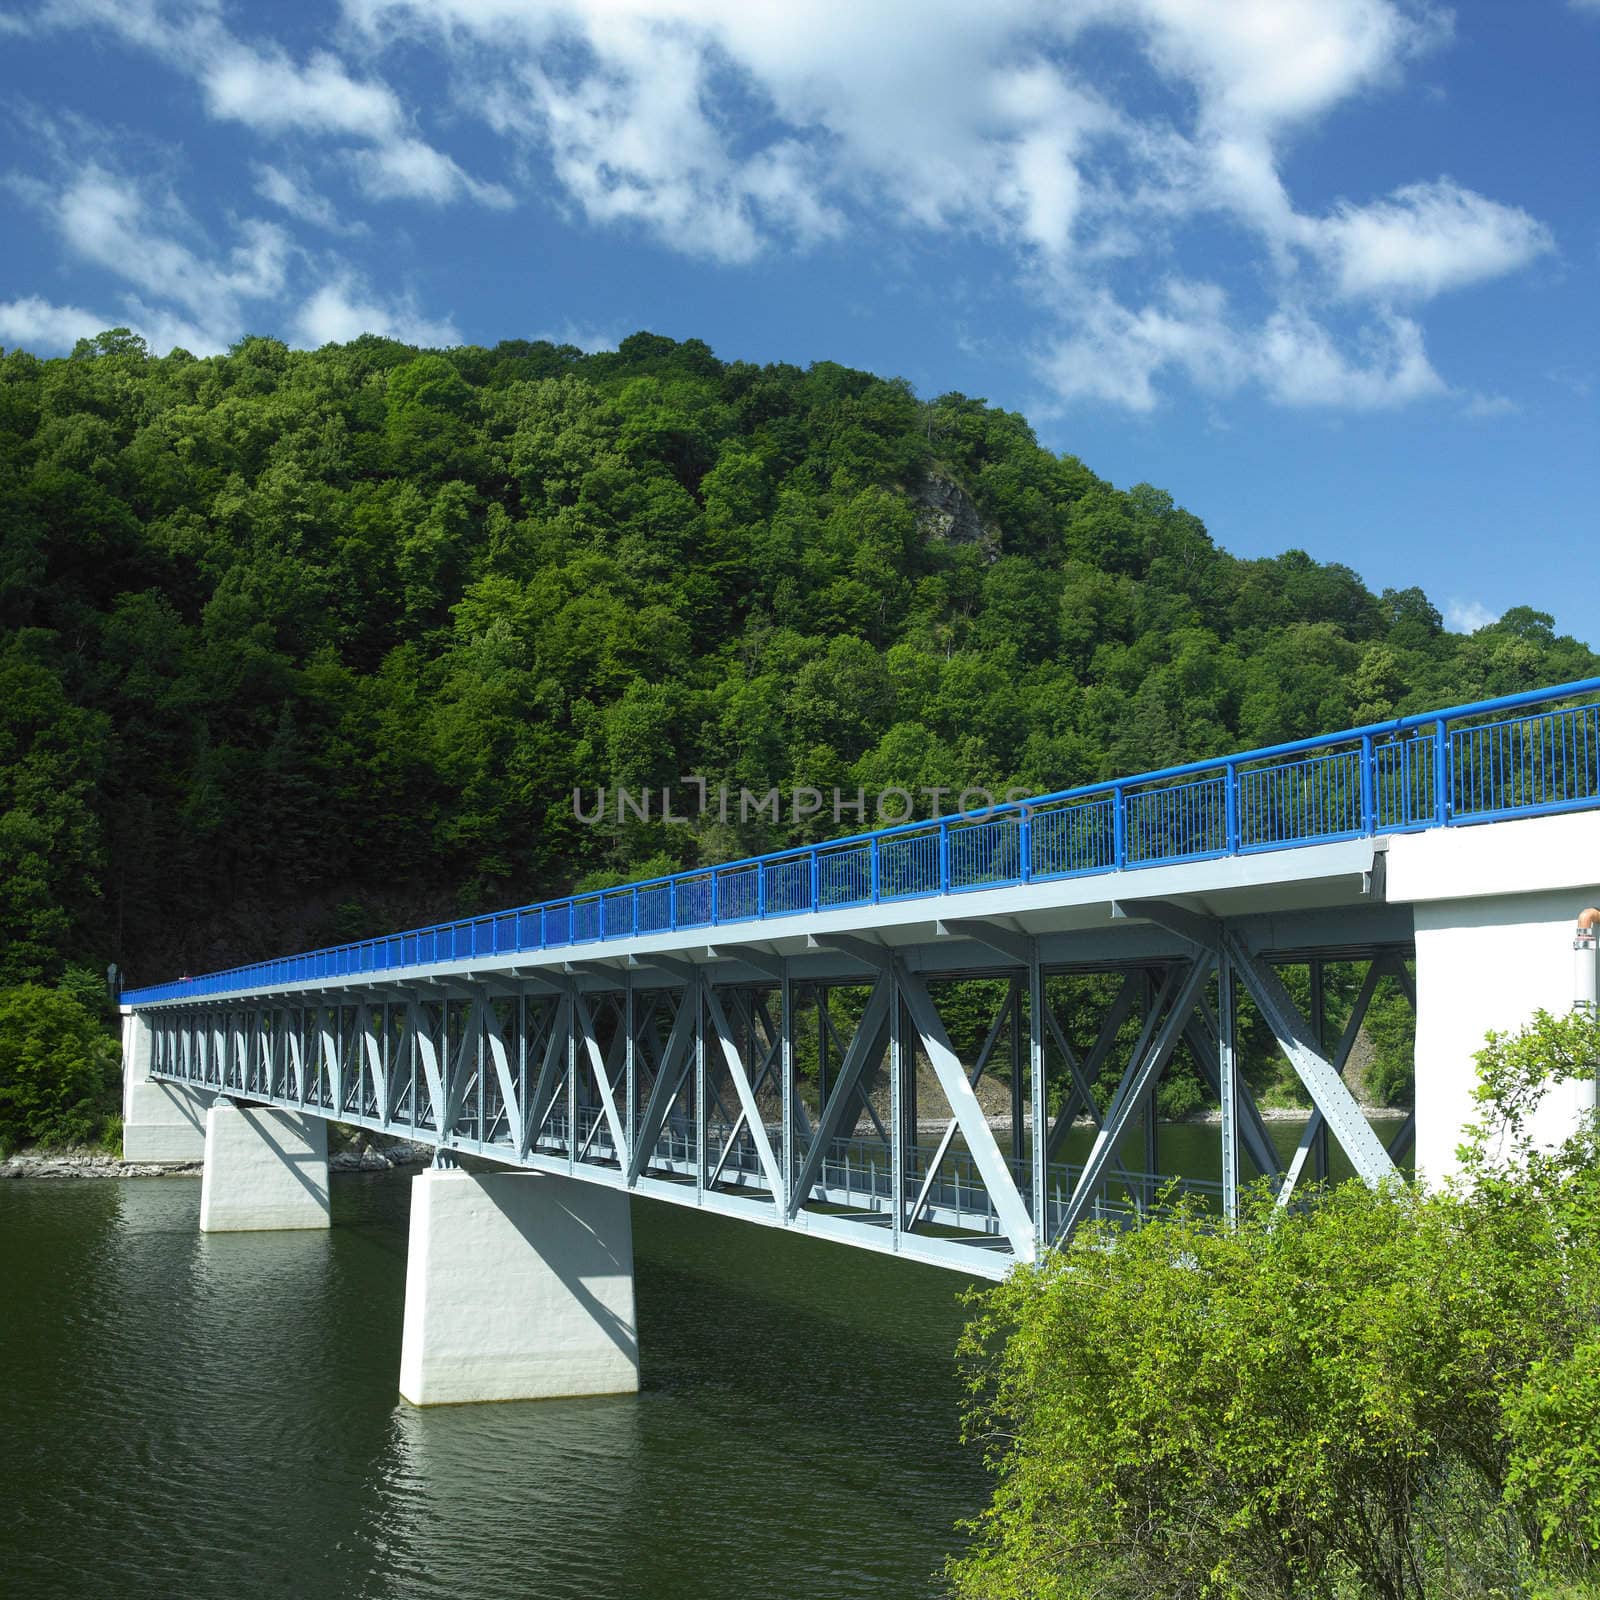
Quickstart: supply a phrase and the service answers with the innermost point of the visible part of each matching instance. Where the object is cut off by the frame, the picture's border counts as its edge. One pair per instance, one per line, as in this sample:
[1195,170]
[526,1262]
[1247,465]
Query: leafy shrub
[58,1069]
[1386,1393]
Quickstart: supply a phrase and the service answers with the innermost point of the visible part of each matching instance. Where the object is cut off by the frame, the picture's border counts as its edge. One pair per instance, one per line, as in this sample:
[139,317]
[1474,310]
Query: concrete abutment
[1495,910]
[162,1123]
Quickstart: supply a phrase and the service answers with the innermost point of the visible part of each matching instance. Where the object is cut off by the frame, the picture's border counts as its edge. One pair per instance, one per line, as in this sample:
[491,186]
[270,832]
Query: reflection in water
[216,1415]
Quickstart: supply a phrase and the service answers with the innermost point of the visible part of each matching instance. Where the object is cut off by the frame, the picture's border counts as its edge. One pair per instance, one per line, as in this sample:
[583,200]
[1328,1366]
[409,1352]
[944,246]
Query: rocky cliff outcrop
[945,512]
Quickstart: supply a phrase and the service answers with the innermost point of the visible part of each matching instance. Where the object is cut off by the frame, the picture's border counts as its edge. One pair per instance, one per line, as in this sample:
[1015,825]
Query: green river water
[216,1416]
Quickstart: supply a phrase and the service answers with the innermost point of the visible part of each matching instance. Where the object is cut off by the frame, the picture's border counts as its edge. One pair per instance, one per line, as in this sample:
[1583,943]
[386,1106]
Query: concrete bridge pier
[265,1169]
[519,1286]
[162,1123]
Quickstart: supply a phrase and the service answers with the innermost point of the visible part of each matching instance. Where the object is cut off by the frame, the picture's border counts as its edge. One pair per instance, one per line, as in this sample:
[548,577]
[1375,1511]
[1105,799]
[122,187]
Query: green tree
[1386,1392]
[58,1069]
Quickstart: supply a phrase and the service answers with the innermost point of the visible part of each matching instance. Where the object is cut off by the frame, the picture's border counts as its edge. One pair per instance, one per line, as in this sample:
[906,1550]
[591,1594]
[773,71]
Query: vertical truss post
[1147,991]
[479,1020]
[630,1065]
[897,1121]
[789,1088]
[1227,1077]
[1015,1035]
[522,1054]
[1319,1027]
[1039,1108]
[386,1053]
[570,1017]
[1152,1154]
[702,1116]
[328,1020]
[822,1046]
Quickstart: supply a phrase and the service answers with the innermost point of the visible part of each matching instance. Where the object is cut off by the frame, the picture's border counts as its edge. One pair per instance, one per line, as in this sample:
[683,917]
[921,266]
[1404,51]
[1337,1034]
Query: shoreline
[80,1162]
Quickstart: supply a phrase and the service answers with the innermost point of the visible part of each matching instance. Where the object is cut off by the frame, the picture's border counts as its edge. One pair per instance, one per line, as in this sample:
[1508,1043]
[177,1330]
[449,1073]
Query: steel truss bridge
[747,1038]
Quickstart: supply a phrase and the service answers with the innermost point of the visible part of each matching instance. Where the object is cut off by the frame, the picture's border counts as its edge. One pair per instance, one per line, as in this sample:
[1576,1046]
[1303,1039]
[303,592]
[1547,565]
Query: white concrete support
[265,1169]
[519,1286]
[162,1123]
[1495,908]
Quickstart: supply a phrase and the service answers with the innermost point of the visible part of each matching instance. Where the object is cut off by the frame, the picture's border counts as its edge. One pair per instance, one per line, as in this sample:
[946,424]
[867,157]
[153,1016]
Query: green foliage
[1553,1420]
[1515,1072]
[58,1068]
[1386,1392]
[385,609]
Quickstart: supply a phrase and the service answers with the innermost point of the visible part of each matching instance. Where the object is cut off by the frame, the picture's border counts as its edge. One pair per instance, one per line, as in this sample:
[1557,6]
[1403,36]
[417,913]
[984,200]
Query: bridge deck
[648,1038]
[1520,755]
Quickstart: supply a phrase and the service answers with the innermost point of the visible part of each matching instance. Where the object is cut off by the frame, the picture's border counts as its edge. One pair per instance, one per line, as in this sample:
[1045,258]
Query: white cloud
[177,287]
[727,129]
[1302,365]
[1490,405]
[293,192]
[409,169]
[1428,237]
[266,90]
[589,340]
[36,324]
[1467,616]
[1262,64]
[343,309]
[1117,354]
[113,223]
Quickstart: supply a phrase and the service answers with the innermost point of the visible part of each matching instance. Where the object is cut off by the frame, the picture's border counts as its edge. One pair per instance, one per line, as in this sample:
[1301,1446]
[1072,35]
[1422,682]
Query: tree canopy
[303,645]
[1386,1392]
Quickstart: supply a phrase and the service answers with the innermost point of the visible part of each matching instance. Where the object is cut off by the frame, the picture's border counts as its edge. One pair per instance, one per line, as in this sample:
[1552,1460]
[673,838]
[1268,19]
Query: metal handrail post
[1369,785]
[1441,772]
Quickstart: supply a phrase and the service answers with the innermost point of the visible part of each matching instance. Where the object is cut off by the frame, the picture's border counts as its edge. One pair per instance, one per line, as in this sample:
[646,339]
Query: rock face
[945,512]
[91,1163]
[403,1154]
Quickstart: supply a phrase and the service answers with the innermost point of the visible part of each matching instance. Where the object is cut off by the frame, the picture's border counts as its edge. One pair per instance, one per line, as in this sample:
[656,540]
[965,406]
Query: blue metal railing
[1474,763]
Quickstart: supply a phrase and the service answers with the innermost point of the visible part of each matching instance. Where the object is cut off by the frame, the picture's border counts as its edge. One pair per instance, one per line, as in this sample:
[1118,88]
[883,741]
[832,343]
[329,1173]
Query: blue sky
[1325,269]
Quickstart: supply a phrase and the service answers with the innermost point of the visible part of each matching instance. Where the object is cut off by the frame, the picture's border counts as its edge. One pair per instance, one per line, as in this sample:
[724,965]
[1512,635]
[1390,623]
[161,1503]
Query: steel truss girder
[486,1065]
[1295,1036]
[1162,1029]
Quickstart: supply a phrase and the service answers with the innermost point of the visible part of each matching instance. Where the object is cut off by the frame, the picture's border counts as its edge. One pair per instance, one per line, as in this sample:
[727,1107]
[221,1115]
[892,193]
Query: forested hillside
[296,646]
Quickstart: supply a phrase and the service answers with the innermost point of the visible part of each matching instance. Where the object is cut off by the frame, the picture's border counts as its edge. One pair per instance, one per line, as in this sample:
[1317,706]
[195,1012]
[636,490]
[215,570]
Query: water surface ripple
[216,1415]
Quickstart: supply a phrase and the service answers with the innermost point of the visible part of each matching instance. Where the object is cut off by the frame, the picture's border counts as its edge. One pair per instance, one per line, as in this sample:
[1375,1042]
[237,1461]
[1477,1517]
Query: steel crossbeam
[1295,1036]
[1316,1123]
